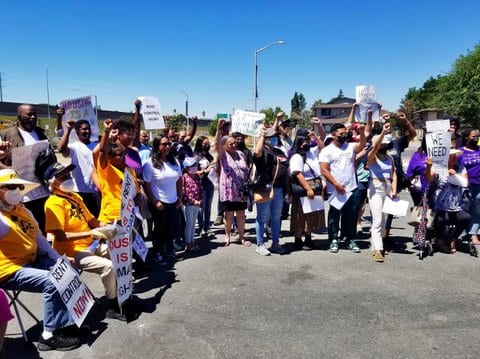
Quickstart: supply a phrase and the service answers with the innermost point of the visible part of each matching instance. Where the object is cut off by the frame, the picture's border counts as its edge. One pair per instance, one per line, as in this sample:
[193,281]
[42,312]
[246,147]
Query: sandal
[226,242]
[245,243]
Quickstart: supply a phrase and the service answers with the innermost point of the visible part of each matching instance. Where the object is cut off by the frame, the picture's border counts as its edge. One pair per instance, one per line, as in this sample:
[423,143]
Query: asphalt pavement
[230,302]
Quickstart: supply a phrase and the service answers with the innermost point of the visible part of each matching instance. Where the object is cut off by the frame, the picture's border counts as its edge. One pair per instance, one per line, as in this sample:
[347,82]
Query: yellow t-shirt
[18,240]
[110,180]
[67,212]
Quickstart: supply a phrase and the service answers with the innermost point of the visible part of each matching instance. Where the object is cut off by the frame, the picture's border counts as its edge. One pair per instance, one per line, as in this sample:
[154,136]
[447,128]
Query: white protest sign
[150,110]
[72,290]
[438,148]
[366,98]
[129,191]
[120,249]
[80,109]
[247,122]
[140,247]
[23,162]
[438,126]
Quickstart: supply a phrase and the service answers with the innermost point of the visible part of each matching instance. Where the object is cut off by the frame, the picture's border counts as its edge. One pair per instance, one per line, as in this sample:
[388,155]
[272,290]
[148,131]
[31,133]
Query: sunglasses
[12,187]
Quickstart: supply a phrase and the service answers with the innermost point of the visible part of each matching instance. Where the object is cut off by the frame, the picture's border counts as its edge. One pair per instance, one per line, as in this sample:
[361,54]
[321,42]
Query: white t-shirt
[82,175]
[311,163]
[342,164]
[163,181]
[29,138]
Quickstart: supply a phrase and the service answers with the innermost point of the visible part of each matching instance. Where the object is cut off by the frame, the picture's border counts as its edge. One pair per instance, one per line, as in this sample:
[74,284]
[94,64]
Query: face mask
[67,185]
[342,139]
[473,142]
[273,141]
[349,136]
[192,170]
[206,148]
[240,146]
[383,150]
[13,196]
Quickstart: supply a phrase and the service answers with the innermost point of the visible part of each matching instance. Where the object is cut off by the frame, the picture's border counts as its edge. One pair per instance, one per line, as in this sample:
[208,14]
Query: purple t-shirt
[417,167]
[470,160]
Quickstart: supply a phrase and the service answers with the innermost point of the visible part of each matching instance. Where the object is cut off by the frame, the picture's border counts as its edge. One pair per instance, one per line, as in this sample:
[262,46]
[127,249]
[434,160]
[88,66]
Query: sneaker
[277,248]
[262,250]
[354,247]
[112,314]
[58,342]
[334,246]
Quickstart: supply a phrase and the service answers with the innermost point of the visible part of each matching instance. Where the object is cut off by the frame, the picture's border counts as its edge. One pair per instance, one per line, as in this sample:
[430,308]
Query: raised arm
[63,144]
[261,141]
[102,147]
[410,129]
[378,143]
[218,139]
[359,146]
[318,128]
[278,119]
[351,116]
[137,118]
[192,132]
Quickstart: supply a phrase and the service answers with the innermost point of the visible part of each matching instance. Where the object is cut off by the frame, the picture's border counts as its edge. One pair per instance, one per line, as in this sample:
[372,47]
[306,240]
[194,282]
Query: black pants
[165,223]
[459,220]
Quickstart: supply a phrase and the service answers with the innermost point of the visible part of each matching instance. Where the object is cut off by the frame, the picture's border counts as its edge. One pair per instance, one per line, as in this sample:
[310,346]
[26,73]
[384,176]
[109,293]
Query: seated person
[26,257]
[70,222]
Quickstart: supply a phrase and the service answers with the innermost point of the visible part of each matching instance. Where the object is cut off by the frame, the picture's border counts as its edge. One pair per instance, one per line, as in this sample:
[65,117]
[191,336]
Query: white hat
[385,141]
[9,176]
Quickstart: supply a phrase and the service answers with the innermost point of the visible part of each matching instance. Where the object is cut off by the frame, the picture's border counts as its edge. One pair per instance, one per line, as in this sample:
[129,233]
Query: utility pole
[48,96]
[1,87]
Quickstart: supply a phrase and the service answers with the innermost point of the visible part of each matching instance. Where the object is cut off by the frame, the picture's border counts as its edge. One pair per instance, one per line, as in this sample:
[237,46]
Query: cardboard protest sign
[129,191]
[23,162]
[80,109]
[72,290]
[247,122]
[366,98]
[438,148]
[150,110]
[120,249]
[438,125]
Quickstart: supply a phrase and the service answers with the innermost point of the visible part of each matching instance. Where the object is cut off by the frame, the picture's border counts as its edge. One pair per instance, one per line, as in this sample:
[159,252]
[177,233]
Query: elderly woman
[233,176]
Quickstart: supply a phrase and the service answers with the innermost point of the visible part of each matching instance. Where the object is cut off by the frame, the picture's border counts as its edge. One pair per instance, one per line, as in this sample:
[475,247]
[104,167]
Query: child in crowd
[192,195]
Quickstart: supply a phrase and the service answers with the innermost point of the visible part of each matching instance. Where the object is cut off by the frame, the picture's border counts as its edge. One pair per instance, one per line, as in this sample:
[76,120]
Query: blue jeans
[191,213]
[206,208]
[474,209]
[348,214]
[34,278]
[274,208]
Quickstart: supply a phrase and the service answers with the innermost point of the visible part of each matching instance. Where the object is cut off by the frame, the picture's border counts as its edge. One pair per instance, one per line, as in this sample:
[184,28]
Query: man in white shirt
[337,164]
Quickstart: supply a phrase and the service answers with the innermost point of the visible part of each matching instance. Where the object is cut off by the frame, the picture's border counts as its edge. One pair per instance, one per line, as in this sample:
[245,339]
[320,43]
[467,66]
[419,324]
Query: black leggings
[443,219]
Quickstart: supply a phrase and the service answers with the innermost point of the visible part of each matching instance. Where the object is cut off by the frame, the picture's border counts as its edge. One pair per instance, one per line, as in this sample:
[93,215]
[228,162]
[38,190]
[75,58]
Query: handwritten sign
[23,162]
[129,191]
[120,249]
[438,125]
[366,98]
[438,148]
[72,290]
[150,111]
[80,109]
[247,122]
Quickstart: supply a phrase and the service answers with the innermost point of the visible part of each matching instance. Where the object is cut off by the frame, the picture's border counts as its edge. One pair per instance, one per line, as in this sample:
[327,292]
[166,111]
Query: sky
[119,50]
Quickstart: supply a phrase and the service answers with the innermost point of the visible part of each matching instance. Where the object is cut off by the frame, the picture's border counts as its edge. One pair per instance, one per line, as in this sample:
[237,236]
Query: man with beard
[80,152]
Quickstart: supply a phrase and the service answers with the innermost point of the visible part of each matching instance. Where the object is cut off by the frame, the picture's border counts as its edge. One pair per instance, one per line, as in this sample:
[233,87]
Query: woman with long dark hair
[205,161]
[162,176]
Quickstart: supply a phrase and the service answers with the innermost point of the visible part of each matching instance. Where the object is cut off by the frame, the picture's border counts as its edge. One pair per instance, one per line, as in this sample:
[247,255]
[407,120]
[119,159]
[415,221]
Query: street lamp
[95,96]
[255,70]
[186,107]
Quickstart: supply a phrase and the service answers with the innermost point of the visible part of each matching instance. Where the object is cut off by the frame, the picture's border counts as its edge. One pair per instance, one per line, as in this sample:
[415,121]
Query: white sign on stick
[80,109]
[366,98]
[120,249]
[247,122]
[129,191]
[151,113]
[72,290]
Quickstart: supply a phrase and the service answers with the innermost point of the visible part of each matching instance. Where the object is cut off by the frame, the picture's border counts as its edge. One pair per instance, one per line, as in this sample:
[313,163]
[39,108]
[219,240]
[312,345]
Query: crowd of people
[62,209]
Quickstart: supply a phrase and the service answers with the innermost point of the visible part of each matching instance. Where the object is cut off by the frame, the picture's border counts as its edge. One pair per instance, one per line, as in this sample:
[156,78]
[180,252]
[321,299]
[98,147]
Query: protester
[271,171]
[25,260]
[416,172]
[337,164]
[162,184]
[71,223]
[144,150]
[26,132]
[305,171]
[233,176]
[80,152]
[383,180]
[192,196]
[206,163]
[469,161]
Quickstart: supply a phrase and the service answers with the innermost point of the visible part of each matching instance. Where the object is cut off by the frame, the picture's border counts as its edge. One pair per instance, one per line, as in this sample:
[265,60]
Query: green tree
[271,114]
[298,104]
